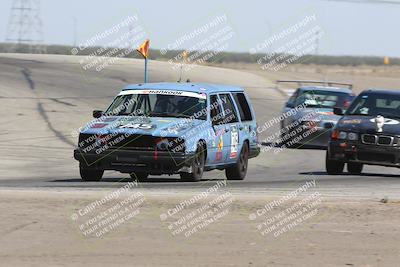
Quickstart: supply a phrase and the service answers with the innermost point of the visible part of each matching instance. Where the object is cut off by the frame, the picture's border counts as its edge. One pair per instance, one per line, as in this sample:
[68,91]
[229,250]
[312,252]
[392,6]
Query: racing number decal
[142,126]
[234,141]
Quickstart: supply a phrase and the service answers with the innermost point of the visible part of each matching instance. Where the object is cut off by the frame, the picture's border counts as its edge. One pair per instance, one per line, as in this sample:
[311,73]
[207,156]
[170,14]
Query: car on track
[368,133]
[170,128]
[307,117]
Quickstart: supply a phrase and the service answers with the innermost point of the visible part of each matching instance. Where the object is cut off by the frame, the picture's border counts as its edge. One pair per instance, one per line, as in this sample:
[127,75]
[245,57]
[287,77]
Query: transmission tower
[24,32]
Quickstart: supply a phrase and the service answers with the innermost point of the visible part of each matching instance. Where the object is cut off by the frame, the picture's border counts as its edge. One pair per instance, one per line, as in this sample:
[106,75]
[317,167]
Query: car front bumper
[366,154]
[153,162]
[308,137]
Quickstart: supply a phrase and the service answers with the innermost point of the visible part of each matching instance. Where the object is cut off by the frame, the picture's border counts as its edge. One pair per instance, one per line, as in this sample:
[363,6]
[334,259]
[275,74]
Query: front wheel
[354,168]
[333,166]
[139,176]
[197,166]
[239,170]
[90,174]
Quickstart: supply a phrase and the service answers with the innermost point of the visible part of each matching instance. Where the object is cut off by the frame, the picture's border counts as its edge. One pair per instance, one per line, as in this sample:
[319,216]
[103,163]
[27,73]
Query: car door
[220,139]
[230,125]
[246,124]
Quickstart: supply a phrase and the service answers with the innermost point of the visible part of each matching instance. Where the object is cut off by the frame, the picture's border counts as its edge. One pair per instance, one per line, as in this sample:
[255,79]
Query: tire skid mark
[57,133]
[62,102]
[18,227]
[27,75]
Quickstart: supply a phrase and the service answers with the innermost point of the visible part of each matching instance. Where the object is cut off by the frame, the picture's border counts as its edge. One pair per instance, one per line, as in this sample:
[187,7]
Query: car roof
[382,91]
[326,88]
[185,86]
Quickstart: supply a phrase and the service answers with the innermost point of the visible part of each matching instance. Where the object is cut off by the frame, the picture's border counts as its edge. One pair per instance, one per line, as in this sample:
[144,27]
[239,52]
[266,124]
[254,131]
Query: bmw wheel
[139,176]
[333,166]
[90,174]
[354,168]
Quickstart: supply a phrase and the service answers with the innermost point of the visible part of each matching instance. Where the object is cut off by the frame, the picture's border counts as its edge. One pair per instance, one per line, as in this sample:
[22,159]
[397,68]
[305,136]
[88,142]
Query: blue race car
[170,128]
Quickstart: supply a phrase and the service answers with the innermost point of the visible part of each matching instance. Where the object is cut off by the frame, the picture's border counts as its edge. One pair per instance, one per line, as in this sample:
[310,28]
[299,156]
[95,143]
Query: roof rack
[326,83]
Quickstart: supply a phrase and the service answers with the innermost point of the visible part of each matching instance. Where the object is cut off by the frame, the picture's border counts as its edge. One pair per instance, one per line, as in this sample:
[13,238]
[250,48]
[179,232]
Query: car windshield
[324,99]
[387,105]
[164,104]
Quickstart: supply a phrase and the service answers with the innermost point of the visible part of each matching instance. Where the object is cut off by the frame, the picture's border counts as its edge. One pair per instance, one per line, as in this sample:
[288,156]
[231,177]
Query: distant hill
[222,57]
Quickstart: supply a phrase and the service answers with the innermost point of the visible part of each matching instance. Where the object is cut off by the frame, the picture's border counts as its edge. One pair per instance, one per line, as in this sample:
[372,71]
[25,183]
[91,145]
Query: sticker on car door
[234,141]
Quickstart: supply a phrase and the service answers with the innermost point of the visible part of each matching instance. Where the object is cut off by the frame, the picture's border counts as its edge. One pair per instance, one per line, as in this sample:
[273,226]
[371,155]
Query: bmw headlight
[352,136]
[342,135]
[348,136]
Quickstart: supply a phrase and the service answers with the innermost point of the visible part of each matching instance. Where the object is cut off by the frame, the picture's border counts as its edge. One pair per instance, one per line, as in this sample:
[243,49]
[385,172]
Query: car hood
[366,124]
[155,126]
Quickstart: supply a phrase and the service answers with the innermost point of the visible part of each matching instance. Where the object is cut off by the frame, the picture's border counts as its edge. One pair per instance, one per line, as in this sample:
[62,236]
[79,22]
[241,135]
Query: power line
[387,2]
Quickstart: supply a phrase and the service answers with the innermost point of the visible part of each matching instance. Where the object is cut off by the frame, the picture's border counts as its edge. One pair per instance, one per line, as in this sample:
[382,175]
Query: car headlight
[342,135]
[348,136]
[352,136]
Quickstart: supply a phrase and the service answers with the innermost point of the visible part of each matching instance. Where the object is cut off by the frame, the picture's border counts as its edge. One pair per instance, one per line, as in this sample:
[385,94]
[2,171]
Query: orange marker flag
[144,48]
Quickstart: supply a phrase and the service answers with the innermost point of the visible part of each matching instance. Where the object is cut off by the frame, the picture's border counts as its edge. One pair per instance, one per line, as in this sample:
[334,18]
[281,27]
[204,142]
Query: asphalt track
[45,98]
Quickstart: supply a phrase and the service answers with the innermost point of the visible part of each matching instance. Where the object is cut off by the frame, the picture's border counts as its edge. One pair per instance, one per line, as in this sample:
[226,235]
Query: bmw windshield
[159,103]
[387,105]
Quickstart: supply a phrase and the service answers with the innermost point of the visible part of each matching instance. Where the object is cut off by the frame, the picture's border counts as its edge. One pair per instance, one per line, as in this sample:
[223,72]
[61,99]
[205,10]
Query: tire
[139,176]
[354,168]
[333,166]
[197,166]
[239,170]
[90,174]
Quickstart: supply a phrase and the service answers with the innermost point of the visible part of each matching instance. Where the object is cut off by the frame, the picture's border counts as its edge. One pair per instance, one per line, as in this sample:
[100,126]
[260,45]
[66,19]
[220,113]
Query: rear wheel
[197,166]
[239,170]
[139,176]
[354,168]
[333,166]
[90,174]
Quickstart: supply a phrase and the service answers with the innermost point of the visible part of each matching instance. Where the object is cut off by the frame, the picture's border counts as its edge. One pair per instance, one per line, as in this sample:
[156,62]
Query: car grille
[93,142]
[377,157]
[372,139]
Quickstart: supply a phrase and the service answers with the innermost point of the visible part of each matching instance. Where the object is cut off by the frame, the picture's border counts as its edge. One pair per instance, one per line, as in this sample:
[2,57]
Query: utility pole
[75,30]
[317,36]
[24,32]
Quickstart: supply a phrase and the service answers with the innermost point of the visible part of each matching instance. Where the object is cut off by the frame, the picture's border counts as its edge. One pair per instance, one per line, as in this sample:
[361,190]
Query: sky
[348,28]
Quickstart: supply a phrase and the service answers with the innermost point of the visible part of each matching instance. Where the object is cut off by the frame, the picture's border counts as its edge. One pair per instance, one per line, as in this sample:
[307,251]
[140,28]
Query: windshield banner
[164,92]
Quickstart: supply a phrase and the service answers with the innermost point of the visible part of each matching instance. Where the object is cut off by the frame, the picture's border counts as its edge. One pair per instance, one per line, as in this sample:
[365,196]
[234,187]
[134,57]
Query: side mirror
[289,105]
[338,111]
[97,114]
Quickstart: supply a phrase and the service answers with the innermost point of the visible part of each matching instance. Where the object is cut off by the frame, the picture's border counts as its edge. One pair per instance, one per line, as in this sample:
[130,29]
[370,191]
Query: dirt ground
[37,229]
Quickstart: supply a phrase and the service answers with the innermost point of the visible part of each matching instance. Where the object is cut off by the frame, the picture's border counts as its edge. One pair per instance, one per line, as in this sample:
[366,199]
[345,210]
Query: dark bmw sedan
[368,133]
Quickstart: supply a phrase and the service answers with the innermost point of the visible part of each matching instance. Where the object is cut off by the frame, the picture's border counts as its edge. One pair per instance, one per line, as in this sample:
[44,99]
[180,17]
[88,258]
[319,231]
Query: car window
[321,99]
[229,109]
[215,110]
[387,103]
[159,105]
[376,104]
[243,107]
